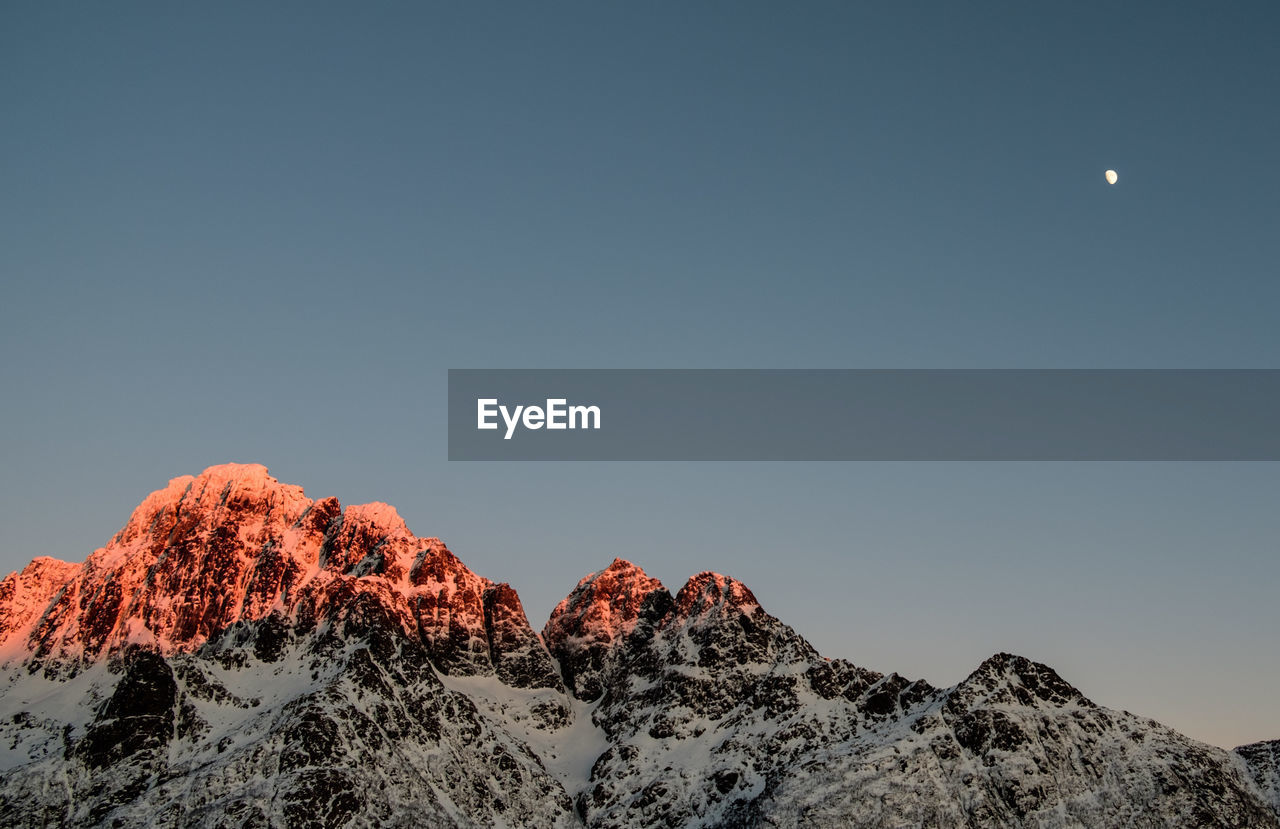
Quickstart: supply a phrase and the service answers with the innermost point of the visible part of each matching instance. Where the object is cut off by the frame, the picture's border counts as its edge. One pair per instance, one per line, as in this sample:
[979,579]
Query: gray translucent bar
[874,415]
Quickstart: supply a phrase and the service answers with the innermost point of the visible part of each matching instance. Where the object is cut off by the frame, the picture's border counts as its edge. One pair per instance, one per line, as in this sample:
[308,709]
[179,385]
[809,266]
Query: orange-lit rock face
[24,596]
[604,606]
[233,545]
[588,630]
[711,593]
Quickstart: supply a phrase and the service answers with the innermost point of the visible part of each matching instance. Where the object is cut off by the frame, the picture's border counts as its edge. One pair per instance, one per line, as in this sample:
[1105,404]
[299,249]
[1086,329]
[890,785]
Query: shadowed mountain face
[240,655]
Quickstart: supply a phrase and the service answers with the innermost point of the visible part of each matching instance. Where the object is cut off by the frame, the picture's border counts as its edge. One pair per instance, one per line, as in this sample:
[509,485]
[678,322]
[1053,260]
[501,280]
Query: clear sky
[263,233]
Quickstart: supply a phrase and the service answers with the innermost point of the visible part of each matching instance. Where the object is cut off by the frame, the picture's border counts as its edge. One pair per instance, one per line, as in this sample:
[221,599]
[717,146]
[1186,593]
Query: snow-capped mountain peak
[240,655]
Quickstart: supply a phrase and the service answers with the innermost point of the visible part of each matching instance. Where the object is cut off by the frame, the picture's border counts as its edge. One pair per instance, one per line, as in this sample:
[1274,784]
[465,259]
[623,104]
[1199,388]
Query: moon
[1111,176]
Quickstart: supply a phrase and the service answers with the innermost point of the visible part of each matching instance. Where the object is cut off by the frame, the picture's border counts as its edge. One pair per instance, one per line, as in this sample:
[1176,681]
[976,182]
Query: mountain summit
[233,546]
[240,655]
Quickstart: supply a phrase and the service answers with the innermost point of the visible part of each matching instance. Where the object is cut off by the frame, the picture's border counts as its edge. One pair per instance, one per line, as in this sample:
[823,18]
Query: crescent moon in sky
[1112,178]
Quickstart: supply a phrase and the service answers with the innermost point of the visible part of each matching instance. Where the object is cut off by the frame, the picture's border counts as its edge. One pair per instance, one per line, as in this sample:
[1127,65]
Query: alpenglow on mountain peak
[241,655]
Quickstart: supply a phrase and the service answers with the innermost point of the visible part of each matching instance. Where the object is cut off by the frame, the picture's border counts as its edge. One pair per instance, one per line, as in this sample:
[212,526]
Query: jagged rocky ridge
[239,655]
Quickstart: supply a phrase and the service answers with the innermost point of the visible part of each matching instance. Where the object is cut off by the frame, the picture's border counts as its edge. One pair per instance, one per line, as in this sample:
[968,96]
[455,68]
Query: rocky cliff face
[239,655]
[234,546]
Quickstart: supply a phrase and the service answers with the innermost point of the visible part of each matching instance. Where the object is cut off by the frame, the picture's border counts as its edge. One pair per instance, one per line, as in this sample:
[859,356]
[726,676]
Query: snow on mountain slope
[240,655]
[343,727]
[1263,762]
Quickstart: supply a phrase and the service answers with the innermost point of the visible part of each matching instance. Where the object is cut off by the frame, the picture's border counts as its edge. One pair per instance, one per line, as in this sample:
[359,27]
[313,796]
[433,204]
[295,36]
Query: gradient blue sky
[263,232]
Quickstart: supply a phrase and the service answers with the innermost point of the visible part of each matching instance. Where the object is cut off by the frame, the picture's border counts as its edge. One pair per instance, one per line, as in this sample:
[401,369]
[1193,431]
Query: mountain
[240,655]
